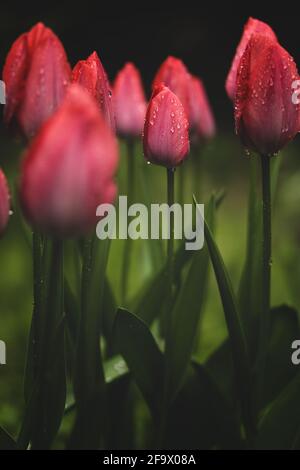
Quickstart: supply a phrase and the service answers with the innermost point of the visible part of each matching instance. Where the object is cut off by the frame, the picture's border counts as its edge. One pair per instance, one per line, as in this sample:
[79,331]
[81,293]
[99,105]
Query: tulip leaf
[144,359]
[185,317]
[200,417]
[280,424]
[115,368]
[149,304]
[109,309]
[6,441]
[235,330]
[279,368]
[46,399]
[89,383]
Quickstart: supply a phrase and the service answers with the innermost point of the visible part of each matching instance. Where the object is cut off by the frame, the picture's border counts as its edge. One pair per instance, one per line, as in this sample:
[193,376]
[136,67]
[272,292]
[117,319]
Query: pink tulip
[90,74]
[166,131]
[69,168]
[36,74]
[130,102]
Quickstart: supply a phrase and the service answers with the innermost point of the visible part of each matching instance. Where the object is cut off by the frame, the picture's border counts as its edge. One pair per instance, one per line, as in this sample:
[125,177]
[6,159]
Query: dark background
[205,39]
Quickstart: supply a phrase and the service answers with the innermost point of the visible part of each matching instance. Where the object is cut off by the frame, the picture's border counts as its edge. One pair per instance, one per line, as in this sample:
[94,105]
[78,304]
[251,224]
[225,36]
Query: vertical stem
[50,399]
[266,273]
[196,160]
[170,190]
[168,312]
[131,196]
[37,318]
[181,181]
[89,383]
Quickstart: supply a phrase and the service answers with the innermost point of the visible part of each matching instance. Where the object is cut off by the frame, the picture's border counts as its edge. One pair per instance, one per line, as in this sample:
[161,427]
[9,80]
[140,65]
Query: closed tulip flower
[166,131]
[252,26]
[130,103]
[265,116]
[69,168]
[202,121]
[36,74]
[90,74]
[4,202]
[174,74]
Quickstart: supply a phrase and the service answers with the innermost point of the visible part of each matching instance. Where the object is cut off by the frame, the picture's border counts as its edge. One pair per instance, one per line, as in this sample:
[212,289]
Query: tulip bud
[69,168]
[202,121]
[252,26]
[129,100]
[266,118]
[4,202]
[166,131]
[91,75]
[36,74]
[174,74]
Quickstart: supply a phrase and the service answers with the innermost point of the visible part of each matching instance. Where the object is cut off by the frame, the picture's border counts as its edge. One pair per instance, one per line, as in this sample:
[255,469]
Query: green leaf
[109,310]
[280,424]
[89,383]
[142,355]
[185,317]
[114,369]
[235,330]
[45,406]
[6,441]
[279,368]
[72,310]
[279,371]
[199,417]
[151,301]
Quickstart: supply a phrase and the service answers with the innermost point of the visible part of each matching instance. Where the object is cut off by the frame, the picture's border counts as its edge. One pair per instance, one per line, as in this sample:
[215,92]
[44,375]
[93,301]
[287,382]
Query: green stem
[168,311]
[197,168]
[89,384]
[170,190]
[50,380]
[131,196]
[37,317]
[266,273]
[181,181]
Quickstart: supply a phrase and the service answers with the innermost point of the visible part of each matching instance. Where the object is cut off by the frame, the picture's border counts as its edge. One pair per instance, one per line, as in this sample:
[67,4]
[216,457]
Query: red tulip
[202,121]
[252,26]
[265,116]
[174,74]
[69,168]
[4,202]
[36,73]
[129,100]
[91,75]
[166,131]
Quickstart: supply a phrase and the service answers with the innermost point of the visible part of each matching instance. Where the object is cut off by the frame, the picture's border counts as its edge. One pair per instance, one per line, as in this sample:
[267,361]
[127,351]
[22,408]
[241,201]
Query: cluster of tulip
[44,99]
[70,119]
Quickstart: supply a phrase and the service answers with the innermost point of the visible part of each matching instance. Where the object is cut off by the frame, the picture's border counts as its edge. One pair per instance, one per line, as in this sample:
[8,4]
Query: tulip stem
[51,366]
[131,196]
[170,183]
[266,273]
[169,303]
